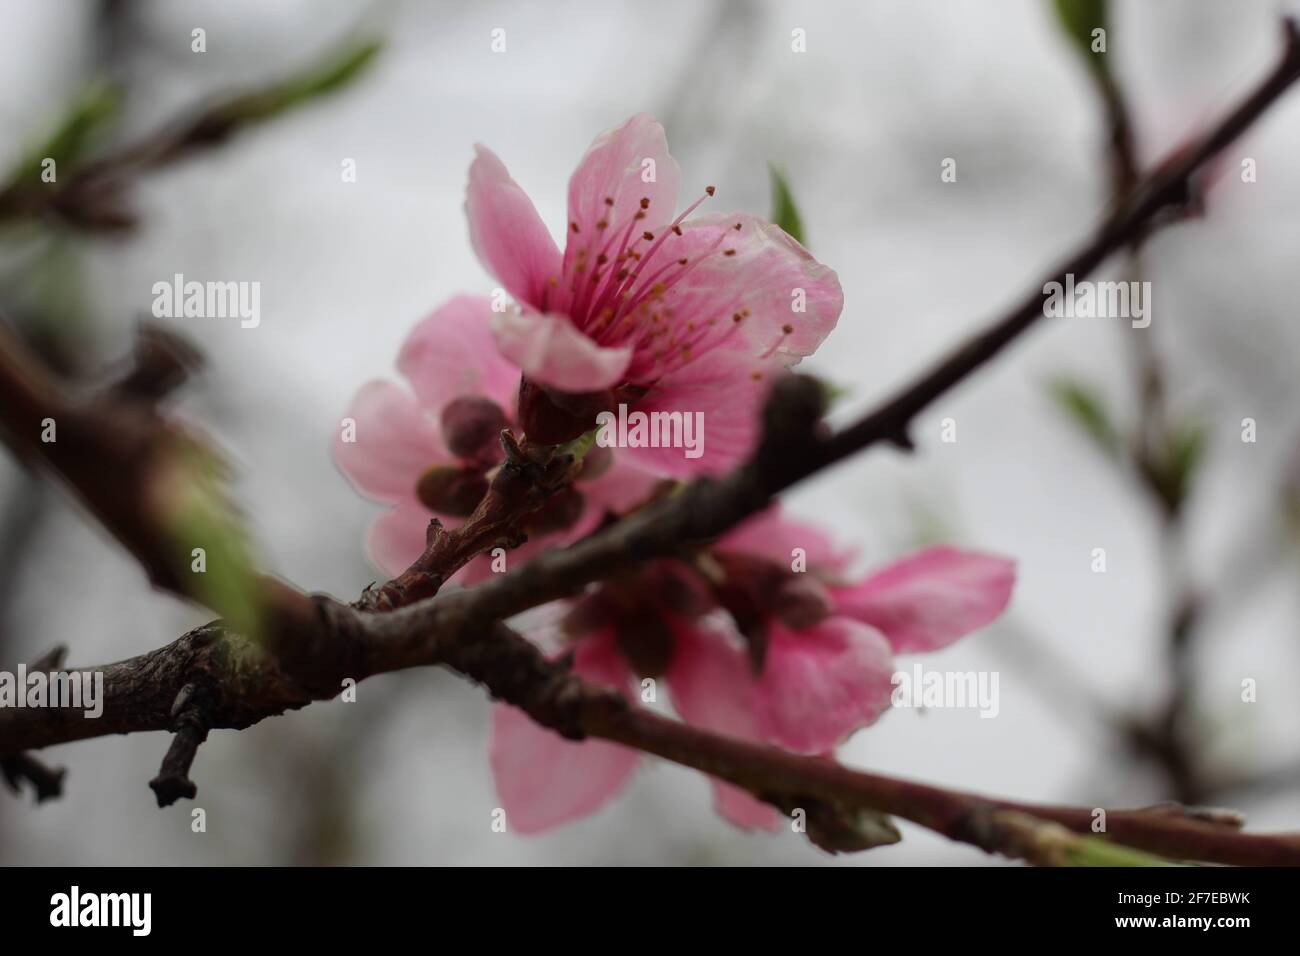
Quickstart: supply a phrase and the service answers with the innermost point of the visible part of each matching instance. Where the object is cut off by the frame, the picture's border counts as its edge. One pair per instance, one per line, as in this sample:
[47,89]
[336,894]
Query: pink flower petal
[932,598]
[712,687]
[621,488]
[397,537]
[552,352]
[718,384]
[395,443]
[510,238]
[741,808]
[544,780]
[615,167]
[710,679]
[787,301]
[821,684]
[452,354]
[774,535]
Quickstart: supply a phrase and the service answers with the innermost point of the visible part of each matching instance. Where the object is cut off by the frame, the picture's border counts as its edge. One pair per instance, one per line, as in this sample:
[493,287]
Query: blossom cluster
[766,633]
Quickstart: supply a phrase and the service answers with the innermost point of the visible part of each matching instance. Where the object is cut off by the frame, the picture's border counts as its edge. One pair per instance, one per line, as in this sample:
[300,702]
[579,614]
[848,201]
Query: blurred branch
[93,195]
[21,516]
[216,677]
[1078,20]
[46,782]
[1162,454]
[122,458]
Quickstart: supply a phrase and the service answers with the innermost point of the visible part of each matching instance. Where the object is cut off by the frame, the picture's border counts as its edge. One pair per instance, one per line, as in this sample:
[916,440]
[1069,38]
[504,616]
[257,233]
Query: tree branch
[47,782]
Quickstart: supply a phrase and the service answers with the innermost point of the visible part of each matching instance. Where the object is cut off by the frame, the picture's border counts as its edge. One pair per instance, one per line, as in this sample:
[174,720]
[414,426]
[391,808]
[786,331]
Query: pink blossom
[427,449]
[645,306]
[747,647]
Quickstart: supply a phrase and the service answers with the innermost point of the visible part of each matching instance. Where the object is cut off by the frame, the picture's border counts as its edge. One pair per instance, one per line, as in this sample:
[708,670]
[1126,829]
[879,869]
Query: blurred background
[1117,688]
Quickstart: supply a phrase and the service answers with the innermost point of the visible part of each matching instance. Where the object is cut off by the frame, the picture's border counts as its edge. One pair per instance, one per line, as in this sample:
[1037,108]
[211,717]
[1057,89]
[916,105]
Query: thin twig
[190,721]
[95,195]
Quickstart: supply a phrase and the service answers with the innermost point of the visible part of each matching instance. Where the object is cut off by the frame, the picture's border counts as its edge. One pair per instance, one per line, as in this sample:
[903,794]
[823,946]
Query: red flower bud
[560,512]
[553,418]
[451,491]
[472,426]
[646,643]
[801,601]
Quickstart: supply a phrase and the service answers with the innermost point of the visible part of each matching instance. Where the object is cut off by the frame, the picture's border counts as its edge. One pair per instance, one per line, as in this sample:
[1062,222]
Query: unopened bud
[801,601]
[451,491]
[560,512]
[553,418]
[472,428]
[646,642]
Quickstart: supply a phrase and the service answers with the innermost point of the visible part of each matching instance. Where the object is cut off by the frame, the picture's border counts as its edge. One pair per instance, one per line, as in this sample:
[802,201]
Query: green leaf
[199,514]
[1095,851]
[333,74]
[1078,18]
[82,125]
[62,316]
[784,212]
[1083,405]
[579,446]
[1184,455]
[1044,843]
[833,392]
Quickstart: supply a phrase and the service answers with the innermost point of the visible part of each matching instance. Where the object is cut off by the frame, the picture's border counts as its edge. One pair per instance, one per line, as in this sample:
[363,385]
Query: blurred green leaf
[335,73]
[833,392]
[927,525]
[199,514]
[59,314]
[1045,843]
[82,125]
[1187,444]
[1078,18]
[1291,512]
[784,212]
[579,446]
[1083,405]
[1095,851]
